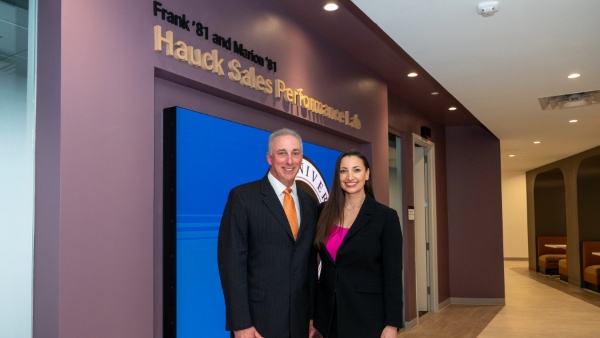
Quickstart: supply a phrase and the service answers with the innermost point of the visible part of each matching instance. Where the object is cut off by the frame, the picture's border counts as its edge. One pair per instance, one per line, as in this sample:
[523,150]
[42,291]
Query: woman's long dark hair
[333,211]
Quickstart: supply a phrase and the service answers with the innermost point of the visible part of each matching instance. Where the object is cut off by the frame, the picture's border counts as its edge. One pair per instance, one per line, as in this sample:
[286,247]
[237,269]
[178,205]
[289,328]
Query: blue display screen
[212,156]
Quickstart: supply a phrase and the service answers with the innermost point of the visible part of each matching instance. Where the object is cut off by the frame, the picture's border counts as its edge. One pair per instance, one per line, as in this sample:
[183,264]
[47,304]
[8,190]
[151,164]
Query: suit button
[294,273]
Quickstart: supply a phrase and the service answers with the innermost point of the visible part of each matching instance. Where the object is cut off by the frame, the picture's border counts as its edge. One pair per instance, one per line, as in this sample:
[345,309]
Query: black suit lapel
[273,203]
[365,214]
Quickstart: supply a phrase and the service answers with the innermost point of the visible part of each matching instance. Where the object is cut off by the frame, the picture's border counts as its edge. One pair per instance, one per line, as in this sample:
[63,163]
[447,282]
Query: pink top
[335,240]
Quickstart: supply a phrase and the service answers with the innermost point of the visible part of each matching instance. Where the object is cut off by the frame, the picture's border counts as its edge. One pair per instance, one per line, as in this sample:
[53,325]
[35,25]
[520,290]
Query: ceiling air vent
[570,100]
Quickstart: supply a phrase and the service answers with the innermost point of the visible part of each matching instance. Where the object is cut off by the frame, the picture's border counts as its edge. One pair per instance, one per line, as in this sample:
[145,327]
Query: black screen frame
[170,222]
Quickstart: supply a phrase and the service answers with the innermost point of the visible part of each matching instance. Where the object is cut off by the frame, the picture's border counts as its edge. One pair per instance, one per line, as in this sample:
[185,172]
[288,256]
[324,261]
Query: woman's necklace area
[353,208]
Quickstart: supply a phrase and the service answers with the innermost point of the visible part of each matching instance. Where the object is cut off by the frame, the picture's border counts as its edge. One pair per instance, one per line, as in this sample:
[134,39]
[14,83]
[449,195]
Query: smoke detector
[488,8]
[570,100]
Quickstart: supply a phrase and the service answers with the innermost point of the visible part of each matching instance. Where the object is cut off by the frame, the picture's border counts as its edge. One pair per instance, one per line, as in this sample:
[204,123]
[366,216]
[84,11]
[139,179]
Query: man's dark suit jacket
[268,279]
[366,279]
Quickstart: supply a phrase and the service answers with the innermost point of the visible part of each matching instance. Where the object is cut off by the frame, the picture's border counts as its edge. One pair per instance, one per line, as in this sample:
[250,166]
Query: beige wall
[514,215]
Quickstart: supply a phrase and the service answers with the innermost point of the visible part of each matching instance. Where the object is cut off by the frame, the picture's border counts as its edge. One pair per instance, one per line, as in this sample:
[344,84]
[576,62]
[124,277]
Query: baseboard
[516,258]
[477,301]
[458,301]
[444,304]
[411,325]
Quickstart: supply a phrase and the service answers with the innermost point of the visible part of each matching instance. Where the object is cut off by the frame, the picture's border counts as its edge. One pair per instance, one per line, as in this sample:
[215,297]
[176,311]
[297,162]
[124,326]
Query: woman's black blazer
[366,280]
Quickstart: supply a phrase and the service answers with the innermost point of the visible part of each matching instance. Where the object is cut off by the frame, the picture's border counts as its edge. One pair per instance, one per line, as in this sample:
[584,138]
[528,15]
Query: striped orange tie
[290,211]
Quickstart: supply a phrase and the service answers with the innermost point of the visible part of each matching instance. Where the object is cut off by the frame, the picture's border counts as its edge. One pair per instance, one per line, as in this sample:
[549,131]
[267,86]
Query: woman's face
[353,175]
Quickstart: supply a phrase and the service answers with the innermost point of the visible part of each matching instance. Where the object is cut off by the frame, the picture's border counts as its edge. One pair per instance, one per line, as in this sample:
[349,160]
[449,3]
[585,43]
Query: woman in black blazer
[360,244]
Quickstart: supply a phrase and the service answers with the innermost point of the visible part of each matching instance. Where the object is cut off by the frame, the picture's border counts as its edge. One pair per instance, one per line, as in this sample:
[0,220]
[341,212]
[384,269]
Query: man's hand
[247,333]
[389,332]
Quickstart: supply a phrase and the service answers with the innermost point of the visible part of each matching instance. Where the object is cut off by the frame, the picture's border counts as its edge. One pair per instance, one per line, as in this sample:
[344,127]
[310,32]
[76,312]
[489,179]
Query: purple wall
[101,91]
[47,173]
[474,213]
[96,260]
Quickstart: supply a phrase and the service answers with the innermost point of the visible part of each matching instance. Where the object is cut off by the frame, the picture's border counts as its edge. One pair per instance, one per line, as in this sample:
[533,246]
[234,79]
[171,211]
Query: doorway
[395,186]
[425,225]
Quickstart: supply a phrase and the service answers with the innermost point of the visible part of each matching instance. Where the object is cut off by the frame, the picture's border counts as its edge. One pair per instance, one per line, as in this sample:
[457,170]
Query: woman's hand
[389,332]
[247,333]
[312,332]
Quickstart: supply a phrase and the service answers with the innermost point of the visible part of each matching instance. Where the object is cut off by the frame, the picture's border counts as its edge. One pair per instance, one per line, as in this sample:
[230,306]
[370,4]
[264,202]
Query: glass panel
[395,174]
[16,169]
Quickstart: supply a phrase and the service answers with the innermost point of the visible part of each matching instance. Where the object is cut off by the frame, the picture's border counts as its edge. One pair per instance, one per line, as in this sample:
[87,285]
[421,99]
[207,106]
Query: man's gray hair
[284,132]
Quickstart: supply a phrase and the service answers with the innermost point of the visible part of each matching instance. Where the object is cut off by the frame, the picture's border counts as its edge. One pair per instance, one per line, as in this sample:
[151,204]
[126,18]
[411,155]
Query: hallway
[536,306]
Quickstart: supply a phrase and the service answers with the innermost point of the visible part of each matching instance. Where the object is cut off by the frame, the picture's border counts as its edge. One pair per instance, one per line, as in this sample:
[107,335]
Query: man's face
[285,157]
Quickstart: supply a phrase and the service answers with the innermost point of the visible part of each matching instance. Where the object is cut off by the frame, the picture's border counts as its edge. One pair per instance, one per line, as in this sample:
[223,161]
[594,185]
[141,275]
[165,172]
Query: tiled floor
[536,306]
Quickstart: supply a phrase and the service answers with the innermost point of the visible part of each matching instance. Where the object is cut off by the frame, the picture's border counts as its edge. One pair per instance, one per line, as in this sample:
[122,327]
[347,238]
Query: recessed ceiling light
[536,142]
[572,121]
[452,108]
[574,76]
[511,155]
[412,74]
[331,7]
[434,93]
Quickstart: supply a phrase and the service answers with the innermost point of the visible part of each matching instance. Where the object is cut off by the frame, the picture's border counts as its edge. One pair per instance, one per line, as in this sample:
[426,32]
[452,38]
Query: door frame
[429,149]
[399,208]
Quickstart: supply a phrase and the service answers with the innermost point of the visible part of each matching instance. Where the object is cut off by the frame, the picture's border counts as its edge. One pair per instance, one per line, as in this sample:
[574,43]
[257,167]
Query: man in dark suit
[266,259]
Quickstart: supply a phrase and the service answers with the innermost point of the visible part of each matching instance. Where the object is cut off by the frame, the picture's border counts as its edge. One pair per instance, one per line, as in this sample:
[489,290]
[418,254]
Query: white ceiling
[498,67]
